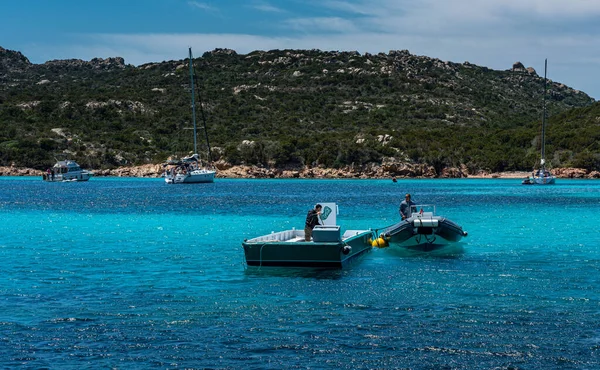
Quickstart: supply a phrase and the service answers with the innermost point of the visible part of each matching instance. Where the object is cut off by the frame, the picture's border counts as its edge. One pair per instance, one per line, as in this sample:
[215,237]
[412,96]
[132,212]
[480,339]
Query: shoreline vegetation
[398,171]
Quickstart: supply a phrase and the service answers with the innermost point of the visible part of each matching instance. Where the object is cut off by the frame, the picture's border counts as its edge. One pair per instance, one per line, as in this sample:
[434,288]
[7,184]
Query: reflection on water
[302,272]
[454,250]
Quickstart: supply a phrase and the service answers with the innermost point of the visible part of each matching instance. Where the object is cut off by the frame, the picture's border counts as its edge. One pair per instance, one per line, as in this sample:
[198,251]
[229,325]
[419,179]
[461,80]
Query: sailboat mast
[543,160]
[193,99]
[204,125]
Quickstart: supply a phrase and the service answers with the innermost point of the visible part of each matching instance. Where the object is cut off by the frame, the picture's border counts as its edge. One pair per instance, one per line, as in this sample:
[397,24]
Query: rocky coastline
[384,171]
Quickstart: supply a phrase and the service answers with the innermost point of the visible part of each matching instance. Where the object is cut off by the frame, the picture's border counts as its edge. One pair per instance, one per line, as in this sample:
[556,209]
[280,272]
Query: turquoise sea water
[134,273]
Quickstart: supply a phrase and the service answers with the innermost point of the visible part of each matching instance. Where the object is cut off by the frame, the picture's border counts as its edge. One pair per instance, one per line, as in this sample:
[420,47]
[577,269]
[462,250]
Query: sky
[490,33]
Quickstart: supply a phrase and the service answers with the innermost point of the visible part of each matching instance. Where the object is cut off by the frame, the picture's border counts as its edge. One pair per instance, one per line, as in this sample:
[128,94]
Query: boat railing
[422,210]
[280,236]
[352,233]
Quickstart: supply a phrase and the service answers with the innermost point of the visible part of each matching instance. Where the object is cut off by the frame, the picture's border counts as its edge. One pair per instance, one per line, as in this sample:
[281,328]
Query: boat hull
[528,181]
[426,237]
[548,180]
[194,177]
[307,254]
[69,178]
[66,171]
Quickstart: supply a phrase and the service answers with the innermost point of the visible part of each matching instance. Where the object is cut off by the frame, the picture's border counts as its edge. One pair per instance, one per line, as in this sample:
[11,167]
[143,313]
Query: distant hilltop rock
[219,51]
[519,67]
[399,53]
[13,61]
[96,63]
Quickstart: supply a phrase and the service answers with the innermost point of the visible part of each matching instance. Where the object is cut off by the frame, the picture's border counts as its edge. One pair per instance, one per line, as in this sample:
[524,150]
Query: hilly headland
[294,113]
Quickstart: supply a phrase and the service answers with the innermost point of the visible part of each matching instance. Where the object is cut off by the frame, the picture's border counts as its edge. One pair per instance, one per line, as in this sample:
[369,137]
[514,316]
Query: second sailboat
[192,169]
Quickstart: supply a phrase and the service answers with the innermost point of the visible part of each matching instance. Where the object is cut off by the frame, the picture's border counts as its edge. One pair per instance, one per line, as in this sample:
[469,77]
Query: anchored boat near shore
[542,176]
[328,247]
[67,170]
[423,230]
[192,169]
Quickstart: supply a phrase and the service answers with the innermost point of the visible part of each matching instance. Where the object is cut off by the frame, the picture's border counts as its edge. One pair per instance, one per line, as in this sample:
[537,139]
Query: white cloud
[552,8]
[359,8]
[265,7]
[466,9]
[203,6]
[323,24]
[463,16]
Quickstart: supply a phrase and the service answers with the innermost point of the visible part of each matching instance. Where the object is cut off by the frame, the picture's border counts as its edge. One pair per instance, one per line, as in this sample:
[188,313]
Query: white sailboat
[192,169]
[542,176]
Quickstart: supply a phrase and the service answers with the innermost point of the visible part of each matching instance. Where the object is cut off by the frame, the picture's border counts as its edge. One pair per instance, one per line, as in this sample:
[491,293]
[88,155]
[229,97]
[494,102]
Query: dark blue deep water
[137,274]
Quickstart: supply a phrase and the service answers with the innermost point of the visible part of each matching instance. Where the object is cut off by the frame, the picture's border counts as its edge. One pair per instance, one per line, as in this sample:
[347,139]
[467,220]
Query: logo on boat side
[326,212]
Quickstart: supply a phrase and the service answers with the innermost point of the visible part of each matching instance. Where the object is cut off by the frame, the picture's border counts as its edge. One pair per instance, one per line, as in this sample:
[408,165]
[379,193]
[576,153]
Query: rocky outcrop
[371,171]
[570,173]
[519,67]
[454,173]
[146,170]
[12,61]
[407,170]
[96,64]
[385,171]
[389,170]
[594,175]
[219,51]
[19,171]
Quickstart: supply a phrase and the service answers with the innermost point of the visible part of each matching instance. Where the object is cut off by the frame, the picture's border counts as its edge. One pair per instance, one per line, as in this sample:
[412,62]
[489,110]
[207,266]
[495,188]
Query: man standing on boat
[405,207]
[312,220]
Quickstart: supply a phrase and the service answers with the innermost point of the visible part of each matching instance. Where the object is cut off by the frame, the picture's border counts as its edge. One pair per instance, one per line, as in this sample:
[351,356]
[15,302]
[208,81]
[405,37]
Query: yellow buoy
[379,243]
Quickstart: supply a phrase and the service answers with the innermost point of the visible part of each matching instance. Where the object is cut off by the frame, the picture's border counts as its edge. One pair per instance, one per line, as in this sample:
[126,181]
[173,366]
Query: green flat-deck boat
[327,248]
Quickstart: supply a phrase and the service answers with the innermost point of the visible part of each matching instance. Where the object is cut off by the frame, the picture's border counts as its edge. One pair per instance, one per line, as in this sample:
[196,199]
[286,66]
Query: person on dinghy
[405,207]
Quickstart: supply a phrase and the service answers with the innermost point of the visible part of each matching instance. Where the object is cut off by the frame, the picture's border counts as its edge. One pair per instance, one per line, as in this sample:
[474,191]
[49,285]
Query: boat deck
[296,236]
[289,248]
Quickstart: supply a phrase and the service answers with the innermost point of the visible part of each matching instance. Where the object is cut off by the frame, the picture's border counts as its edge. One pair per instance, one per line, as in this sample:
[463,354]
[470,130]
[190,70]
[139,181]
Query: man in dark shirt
[405,211]
[312,219]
